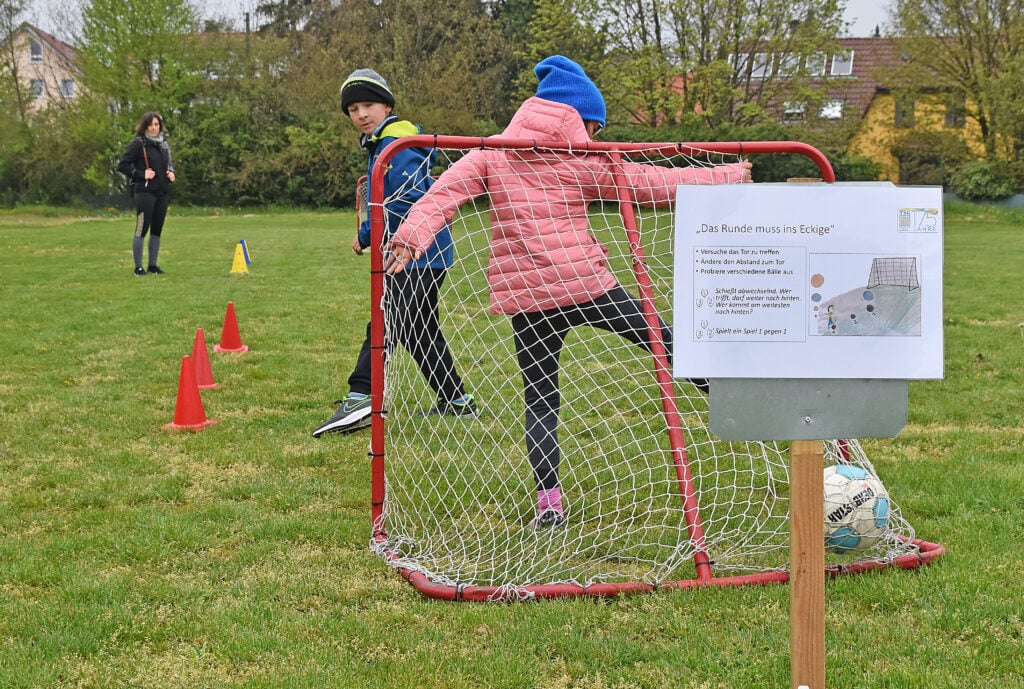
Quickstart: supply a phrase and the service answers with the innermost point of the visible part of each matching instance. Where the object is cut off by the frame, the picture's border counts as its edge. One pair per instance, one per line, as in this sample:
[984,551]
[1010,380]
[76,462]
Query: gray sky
[864,15]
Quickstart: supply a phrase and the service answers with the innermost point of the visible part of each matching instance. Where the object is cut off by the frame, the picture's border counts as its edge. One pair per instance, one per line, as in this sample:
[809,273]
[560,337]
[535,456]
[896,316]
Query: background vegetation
[254,118]
[134,556]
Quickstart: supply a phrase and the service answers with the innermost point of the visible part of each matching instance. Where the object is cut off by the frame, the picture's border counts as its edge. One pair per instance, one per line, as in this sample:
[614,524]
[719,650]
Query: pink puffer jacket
[542,252]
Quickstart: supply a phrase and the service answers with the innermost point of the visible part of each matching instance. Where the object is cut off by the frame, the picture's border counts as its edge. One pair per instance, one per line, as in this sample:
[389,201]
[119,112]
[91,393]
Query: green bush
[850,168]
[1016,168]
[927,157]
[983,181]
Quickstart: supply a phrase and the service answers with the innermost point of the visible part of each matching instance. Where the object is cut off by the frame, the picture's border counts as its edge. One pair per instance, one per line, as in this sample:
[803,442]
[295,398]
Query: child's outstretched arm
[653,185]
[462,182]
[730,173]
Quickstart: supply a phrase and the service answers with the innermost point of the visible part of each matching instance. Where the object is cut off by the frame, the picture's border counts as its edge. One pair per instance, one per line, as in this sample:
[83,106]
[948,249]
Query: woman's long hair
[146,119]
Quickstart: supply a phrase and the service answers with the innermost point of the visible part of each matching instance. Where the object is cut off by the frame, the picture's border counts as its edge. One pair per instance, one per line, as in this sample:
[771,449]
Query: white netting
[460,491]
[900,271]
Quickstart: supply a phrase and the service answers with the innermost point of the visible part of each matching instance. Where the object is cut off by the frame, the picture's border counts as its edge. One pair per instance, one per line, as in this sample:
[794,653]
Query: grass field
[134,556]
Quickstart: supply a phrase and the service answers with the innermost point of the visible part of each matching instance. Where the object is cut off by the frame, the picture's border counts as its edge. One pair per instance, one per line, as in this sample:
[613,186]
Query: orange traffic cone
[230,340]
[201,362]
[188,411]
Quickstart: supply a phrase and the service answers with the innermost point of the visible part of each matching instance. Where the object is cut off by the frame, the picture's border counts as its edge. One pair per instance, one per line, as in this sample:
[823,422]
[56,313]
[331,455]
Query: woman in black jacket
[147,165]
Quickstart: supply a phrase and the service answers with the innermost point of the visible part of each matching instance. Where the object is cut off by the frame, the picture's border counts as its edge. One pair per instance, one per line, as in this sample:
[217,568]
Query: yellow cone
[238,264]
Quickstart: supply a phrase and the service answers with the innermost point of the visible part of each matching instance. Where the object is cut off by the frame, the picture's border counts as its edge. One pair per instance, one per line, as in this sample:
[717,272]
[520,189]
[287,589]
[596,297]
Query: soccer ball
[856,508]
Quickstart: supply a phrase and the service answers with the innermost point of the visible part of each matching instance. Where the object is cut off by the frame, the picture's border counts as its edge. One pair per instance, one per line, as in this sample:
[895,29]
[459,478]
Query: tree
[17,138]
[447,60]
[974,48]
[1008,111]
[136,52]
[135,56]
[719,61]
[284,17]
[573,28]
[12,90]
[514,16]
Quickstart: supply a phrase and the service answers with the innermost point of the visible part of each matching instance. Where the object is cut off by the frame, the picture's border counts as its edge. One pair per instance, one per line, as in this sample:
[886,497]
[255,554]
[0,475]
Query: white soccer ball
[856,508]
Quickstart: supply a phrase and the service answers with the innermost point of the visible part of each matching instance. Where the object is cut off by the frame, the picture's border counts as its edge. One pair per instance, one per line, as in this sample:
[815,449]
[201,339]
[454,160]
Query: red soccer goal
[653,499]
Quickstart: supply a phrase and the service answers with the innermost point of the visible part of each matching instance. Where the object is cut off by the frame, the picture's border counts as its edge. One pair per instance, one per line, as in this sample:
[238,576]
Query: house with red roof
[861,103]
[861,87]
[45,66]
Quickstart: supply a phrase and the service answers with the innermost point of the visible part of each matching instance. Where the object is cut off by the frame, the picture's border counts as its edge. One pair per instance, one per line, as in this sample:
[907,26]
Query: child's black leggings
[411,308]
[539,338]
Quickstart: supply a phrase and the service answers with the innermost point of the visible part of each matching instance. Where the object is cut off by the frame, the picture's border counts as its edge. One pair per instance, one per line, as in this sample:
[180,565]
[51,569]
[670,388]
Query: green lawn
[134,556]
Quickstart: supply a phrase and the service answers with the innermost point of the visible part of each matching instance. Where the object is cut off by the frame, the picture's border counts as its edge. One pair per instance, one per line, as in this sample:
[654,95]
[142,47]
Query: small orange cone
[188,410]
[201,362]
[230,340]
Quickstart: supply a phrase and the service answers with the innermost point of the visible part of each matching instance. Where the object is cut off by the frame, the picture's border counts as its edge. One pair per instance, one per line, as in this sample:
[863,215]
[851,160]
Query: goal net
[651,498]
[900,271]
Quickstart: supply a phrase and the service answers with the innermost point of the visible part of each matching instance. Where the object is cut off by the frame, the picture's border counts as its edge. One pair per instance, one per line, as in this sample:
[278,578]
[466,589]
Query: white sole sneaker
[352,415]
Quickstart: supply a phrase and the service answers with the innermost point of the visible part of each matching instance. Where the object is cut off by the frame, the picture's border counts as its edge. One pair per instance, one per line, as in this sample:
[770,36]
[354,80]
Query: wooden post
[807,564]
[806,558]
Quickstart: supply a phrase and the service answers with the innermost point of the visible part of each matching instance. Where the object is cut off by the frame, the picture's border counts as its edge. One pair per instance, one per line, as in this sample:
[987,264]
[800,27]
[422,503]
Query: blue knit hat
[564,81]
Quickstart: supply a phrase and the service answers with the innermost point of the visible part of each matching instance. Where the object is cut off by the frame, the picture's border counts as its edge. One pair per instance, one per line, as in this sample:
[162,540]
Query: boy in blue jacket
[411,296]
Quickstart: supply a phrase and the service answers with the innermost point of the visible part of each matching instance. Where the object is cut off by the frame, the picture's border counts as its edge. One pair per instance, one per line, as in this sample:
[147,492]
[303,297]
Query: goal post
[652,498]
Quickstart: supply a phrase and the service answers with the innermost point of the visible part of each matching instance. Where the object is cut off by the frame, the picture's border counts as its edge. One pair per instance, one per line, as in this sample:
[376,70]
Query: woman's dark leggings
[151,211]
[539,338]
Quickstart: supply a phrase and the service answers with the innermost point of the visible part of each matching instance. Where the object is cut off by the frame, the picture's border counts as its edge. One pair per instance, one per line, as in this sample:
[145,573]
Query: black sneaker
[139,272]
[155,270]
[548,519]
[466,406]
[352,415]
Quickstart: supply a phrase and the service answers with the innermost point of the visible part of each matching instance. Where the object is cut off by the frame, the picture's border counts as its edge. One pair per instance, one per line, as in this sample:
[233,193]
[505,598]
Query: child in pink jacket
[546,270]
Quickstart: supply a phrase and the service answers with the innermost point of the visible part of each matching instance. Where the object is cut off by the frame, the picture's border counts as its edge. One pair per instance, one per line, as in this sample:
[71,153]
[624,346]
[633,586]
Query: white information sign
[808,281]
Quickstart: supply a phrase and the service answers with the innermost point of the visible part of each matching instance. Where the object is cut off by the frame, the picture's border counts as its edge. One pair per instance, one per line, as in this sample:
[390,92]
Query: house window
[739,62]
[789,65]
[36,88]
[793,111]
[35,51]
[842,64]
[832,110]
[904,112]
[67,88]
[956,110]
[762,64]
[816,65]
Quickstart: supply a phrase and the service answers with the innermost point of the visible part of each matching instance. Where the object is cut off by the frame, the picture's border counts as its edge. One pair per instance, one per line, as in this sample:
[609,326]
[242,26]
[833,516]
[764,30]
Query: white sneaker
[352,415]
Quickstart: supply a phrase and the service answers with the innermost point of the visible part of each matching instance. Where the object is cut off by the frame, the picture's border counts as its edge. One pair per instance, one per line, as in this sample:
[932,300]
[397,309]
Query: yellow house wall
[878,133]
